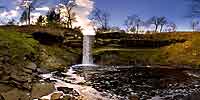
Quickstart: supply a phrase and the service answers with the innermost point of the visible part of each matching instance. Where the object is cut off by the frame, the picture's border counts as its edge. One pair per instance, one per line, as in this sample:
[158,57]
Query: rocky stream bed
[145,83]
[105,83]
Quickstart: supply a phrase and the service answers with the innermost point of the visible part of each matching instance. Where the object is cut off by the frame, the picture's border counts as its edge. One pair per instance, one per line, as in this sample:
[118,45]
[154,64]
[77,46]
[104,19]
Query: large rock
[41,89]
[56,96]
[31,66]
[21,77]
[65,90]
[134,97]
[16,94]
[5,88]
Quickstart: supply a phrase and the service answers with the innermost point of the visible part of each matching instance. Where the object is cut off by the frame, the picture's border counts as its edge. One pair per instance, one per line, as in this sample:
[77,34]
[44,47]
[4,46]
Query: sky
[174,10]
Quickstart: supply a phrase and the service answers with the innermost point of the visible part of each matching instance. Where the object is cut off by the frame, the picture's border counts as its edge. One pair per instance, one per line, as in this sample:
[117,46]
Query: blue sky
[174,10]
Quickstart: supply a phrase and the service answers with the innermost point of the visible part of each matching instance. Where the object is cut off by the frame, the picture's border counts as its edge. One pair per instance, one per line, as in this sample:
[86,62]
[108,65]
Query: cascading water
[82,10]
[87,49]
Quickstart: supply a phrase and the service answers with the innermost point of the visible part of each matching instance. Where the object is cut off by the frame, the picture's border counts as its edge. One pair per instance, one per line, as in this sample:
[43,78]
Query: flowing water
[87,49]
[86,92]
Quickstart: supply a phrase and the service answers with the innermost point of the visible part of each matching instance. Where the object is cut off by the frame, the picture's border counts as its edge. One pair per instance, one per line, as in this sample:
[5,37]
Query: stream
[127,83]
[78,84]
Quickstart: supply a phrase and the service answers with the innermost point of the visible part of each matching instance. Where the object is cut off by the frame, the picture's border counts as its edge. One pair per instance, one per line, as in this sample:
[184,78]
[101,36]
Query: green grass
[17,45]
[187,53]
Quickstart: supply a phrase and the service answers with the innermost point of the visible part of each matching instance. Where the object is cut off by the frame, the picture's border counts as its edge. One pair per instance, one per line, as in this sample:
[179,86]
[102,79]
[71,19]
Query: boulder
[41,89]
[134,97]
[31,66]
[16,94]
[20,77]
[65,90]
[56,96]
[67,97]
[5,88]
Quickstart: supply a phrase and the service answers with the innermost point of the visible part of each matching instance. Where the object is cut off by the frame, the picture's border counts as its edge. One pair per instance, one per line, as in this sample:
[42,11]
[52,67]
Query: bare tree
[101,19]
[70,15]
[40,20]
[158,21]
[133,22]
[171,27]
[154,21]
[194,25]
[53,18]
[29,5]
[163,21]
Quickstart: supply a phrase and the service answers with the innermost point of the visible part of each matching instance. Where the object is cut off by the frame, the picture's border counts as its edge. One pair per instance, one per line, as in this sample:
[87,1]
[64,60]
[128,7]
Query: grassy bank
[176,54]
[17,46]
[183,50]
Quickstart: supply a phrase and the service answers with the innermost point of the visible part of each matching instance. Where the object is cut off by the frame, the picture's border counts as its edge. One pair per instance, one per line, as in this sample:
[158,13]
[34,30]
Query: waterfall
[87,49]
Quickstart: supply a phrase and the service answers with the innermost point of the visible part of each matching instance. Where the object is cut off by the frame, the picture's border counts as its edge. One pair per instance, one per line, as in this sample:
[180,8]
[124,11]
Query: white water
[86,92]
[87,50]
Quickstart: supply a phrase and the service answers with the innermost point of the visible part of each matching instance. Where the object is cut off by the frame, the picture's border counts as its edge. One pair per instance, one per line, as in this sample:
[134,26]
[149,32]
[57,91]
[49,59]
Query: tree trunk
[29,15]
[161,28]
[156,28]
[137,29]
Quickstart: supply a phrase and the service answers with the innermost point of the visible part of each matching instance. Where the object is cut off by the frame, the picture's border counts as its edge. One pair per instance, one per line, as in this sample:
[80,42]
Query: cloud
[83,10]
[9,14]
[34,16]
[42,9]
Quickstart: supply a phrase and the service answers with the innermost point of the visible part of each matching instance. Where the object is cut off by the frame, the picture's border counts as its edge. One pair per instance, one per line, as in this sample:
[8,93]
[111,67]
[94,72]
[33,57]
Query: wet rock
[49,80]
[41,89]
[5,88]
[20,77]
[28,71]
[56,96]
[65,90]
[134,97]
[1,97]
[194,96]
[178,97]
[16,94]
[42,71]
[31,66]
[59,74]
[67,97]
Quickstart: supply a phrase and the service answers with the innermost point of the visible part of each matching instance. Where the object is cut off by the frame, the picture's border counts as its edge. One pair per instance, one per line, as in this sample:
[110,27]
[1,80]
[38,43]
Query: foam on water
[87,92]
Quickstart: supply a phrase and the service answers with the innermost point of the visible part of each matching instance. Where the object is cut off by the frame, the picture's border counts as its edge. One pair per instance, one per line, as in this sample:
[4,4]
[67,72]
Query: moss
[17,45]
[56,58]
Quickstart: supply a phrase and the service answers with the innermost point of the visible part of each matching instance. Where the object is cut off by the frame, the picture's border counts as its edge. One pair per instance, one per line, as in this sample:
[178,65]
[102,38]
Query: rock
[59,74]
[134,97]
[29,71]
[1,72]
[5,88]
[20,77]
[42,71]
[16,94]
[193,96]
[65,90]
[31,66]
[1,97]
[41,89]
[67,97]
[56,96]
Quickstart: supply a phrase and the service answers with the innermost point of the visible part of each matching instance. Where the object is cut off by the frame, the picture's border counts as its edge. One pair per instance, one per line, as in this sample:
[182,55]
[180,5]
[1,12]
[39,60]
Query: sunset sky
[174,10]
